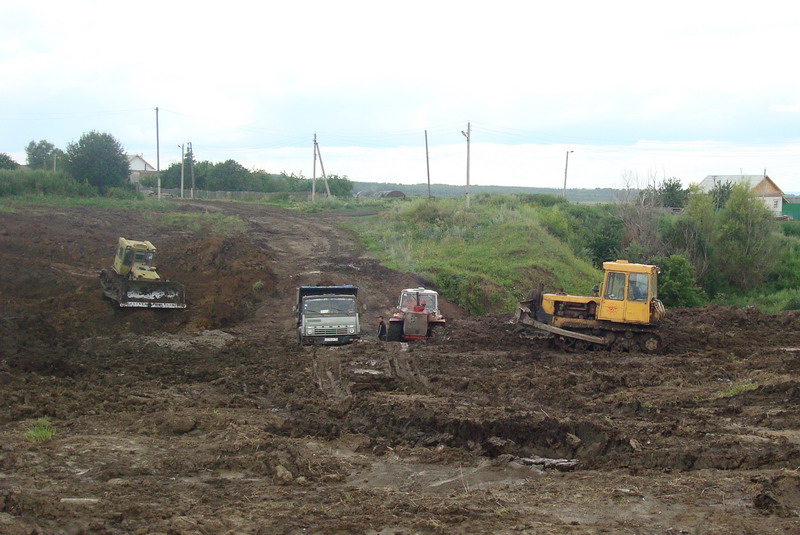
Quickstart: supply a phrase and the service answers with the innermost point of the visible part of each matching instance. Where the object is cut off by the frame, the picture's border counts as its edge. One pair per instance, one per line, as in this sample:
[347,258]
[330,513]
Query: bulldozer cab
[135,259]
[627,292]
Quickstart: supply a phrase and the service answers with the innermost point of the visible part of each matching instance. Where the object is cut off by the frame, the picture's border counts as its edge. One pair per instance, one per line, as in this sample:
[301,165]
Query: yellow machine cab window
[615,286]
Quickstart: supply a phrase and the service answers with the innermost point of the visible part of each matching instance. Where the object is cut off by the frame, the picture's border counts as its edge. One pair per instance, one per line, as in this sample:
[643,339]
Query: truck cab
[327,315]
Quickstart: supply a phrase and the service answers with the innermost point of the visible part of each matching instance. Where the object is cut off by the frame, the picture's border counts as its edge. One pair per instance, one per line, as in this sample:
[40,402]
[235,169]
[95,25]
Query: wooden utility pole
[566,166]
[322,168]
[314,172]
[183,164]
[191,167]
[158,158]
[428,164]
[467,135]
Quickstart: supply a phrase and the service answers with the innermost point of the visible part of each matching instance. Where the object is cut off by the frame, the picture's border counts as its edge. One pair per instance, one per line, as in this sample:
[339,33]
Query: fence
[230,195]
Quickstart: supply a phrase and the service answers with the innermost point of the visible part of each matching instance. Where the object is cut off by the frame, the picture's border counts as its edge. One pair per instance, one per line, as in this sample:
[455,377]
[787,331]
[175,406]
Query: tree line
[99,161]
[230,175]
[707,244]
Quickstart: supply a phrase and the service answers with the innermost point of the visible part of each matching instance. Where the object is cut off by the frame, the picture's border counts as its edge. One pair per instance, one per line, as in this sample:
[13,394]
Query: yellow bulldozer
[133,280]
[623,314]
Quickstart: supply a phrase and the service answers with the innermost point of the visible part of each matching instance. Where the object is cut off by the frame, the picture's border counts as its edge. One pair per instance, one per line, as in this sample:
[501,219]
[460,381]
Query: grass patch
[139,202]
[41,431]
[738,389]
[767,302]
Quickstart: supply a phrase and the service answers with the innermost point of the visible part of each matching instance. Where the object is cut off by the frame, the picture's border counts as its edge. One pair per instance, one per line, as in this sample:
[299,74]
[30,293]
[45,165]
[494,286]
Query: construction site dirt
[214,420]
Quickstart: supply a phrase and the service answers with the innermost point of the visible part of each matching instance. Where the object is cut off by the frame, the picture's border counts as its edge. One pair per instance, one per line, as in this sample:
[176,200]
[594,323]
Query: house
[761,185]
[139,168]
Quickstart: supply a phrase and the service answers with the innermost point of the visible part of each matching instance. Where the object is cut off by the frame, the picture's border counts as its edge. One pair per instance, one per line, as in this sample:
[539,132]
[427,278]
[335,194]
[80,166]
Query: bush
[541,199]
[556,223]
[125,193]
[676,284]
[41,431]
[26,182]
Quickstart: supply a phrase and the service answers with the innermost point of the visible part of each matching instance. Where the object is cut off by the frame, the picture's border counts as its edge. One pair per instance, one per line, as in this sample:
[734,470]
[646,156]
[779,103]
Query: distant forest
[598,195]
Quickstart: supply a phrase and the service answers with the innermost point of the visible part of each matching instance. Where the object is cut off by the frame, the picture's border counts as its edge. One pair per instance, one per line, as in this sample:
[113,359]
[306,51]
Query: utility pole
[183,161]
[314,172]
[158,157]
[467,135]
[191,167]
[566,166]
[322,168]
[428,164]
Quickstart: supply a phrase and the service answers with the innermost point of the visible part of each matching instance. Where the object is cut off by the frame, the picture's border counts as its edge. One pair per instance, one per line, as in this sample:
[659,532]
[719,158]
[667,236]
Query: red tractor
[417,317]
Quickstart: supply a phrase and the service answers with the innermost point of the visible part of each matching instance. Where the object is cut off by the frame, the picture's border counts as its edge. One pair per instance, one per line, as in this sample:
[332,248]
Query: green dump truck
[327,315]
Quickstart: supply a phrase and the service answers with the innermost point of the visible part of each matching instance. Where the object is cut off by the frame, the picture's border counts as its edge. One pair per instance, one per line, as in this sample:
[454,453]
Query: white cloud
[241,79]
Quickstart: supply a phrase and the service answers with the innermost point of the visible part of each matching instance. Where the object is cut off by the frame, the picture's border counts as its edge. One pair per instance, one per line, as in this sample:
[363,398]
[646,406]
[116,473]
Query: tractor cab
[134,260]
[419,300]
[629,293]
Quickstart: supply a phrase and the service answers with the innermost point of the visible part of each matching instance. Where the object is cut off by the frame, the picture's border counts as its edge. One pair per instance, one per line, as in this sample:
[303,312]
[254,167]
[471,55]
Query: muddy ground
[211,420]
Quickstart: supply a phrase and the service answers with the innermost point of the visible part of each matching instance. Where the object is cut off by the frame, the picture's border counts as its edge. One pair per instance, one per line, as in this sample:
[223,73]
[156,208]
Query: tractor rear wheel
[436,333]
[395,332]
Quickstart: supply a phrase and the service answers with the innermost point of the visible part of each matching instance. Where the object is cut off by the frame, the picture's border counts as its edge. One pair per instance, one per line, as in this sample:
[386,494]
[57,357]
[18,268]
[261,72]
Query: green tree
[99,160]
[170,177]
[7,162]
[229,175]
[746,239]
[340,185]
[694,231]
[720,193]
[670,193]
[57,159]
[39,154]
[677,286]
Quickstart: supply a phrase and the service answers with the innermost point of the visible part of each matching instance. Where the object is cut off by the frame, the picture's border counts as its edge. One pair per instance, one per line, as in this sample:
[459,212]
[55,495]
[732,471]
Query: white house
[761,185]
[139,168]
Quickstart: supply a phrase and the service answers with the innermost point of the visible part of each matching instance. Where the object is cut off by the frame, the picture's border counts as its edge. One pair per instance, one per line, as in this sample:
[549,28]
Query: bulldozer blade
[149,294]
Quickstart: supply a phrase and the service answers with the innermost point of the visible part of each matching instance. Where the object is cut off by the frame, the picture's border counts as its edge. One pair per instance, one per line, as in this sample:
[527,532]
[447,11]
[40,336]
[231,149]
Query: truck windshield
[330,305]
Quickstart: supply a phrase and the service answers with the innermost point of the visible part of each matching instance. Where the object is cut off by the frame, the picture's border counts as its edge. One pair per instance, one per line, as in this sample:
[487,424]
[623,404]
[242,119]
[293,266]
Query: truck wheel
[395,332]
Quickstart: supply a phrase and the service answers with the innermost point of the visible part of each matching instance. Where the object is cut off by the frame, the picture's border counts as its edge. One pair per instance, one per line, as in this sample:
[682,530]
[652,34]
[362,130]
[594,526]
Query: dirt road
[211,420]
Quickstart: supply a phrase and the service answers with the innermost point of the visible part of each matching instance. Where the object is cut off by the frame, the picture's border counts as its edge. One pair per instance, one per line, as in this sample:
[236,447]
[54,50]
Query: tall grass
[486,258]
[766,301]
[39,182]
[41,431]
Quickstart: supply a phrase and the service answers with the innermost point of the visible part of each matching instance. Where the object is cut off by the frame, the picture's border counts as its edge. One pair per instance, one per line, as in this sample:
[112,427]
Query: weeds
[739,389]
[41,431]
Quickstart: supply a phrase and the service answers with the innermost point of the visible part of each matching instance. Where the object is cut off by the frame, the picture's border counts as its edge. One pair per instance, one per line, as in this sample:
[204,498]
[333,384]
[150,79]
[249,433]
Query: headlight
[351,330]
[310,330]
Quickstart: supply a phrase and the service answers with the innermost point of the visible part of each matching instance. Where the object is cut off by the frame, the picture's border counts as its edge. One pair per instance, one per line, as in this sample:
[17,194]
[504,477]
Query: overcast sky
[638,90]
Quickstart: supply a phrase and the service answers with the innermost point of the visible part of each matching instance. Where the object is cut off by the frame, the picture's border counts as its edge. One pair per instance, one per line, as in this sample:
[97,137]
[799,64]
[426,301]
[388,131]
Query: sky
[638,91]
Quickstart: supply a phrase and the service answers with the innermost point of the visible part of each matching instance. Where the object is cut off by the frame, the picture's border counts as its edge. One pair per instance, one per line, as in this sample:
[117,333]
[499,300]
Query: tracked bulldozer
[133,280]
[623,314]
